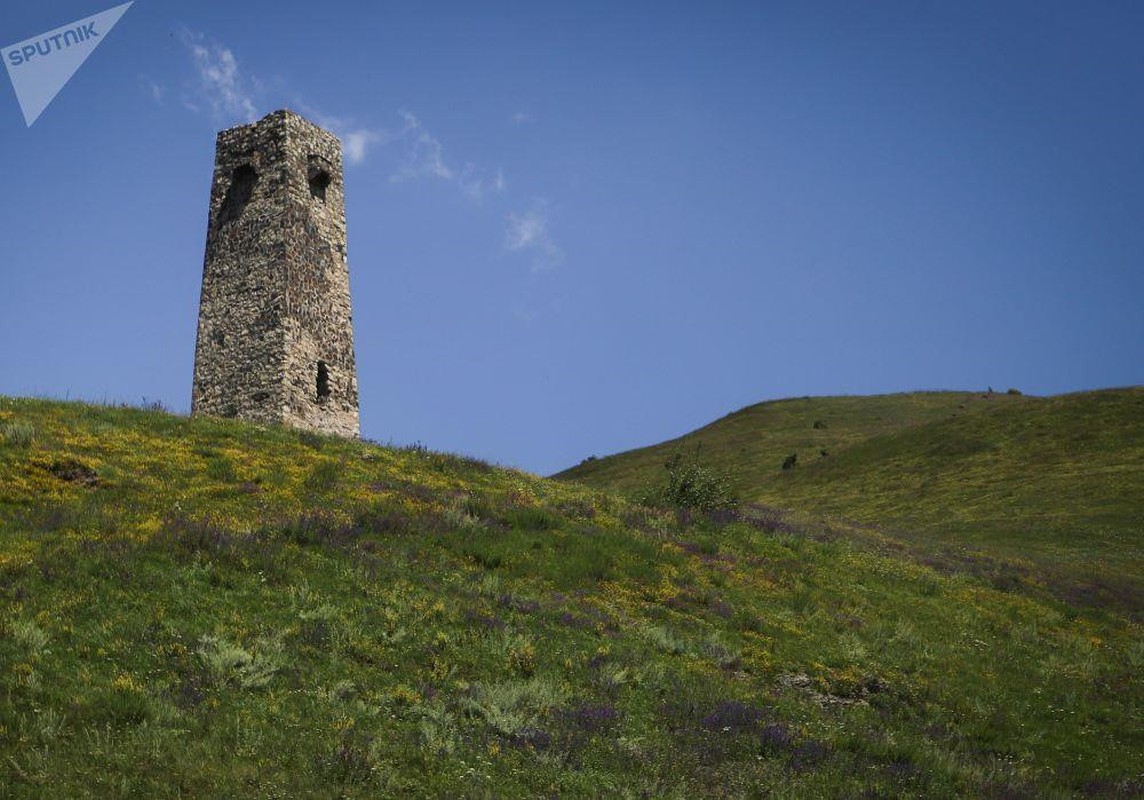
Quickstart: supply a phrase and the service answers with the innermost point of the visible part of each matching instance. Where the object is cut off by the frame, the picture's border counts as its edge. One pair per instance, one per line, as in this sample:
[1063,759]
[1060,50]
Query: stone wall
[275,337]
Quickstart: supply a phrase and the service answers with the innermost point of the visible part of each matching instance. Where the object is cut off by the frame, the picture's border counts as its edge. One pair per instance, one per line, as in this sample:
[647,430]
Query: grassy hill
[1052,486]
[208,608]
[754,441]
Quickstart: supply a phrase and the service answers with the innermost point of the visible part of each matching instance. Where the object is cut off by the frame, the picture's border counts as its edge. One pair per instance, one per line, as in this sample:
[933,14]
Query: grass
[754,441]
[206,608]
[16,434]
[1031,490]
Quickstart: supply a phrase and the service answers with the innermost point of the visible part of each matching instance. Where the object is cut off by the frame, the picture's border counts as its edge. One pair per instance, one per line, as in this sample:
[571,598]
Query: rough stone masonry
[275,338]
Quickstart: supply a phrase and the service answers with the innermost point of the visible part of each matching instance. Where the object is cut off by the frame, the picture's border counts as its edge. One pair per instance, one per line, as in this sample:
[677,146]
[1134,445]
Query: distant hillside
[1056,483]
[754,441]
[205,608]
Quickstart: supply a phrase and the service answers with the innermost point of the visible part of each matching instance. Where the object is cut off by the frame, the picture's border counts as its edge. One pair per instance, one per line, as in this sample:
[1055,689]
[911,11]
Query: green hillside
[755,440]
[1055,486]
[205,608]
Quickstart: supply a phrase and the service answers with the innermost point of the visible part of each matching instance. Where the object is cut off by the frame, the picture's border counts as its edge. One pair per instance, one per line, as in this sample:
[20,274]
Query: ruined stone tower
[275,340]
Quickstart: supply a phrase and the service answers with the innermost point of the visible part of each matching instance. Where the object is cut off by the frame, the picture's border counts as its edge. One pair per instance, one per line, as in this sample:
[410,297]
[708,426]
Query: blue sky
[577,228]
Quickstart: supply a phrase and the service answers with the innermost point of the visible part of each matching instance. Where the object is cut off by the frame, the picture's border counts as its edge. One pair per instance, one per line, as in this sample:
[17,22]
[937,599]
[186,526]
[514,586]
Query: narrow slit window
[323,381]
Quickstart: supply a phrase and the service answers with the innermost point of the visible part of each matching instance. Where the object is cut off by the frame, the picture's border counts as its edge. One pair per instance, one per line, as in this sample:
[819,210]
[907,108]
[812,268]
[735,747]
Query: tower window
[323,381]
[319,179]
[238,193]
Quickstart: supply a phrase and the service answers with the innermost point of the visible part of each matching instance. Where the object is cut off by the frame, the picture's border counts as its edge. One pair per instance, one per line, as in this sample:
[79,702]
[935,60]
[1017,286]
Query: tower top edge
[283,117]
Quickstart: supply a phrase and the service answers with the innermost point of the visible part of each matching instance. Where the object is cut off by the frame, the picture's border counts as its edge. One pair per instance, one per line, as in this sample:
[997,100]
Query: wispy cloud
[155,90]
[220,84]
[231,94]
[425,159]
[228,93]
[528,232]
[476,183]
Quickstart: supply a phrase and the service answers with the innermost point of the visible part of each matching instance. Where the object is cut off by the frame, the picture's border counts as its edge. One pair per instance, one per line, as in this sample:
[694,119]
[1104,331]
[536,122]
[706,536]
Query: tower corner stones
[275,333]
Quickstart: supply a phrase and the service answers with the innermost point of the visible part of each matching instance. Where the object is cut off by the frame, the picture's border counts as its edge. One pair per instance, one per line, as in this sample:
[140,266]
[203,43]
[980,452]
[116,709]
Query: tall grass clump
[17,434]
[227,663]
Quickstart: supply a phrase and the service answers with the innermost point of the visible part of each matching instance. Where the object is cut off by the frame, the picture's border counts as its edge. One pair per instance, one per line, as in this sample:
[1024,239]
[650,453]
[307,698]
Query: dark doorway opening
[323,381]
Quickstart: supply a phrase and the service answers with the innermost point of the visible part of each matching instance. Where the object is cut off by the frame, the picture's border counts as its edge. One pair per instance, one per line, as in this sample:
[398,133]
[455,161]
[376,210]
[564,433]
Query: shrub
[691,486]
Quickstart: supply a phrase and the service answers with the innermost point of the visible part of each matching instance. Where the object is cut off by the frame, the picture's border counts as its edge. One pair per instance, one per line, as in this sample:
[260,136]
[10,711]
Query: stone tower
[275,340]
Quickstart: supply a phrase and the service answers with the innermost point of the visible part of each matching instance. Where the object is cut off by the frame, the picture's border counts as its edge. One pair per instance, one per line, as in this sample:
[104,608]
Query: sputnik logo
[39,67]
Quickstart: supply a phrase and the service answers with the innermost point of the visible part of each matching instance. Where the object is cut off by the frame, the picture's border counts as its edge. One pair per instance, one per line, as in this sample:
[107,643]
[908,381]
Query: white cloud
[220,85]
[527,232]
[356,139]
[231,94]
[475,183]
[356,142]
[521,117]
[471,184]
[425,158]
[153,89]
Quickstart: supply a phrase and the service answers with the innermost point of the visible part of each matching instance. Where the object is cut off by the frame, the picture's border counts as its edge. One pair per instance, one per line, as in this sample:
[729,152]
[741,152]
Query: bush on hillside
[690,486]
